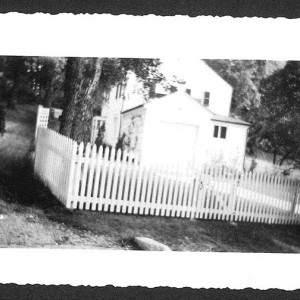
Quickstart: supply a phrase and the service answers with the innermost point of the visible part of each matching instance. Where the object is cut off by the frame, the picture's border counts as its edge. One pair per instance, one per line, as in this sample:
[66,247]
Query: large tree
[278,120]
[245,77]
[85,81]
[34,79]
[46,75]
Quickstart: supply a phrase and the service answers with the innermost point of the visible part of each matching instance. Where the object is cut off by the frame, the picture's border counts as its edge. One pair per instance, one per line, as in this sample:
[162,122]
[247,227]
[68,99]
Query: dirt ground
[30,216]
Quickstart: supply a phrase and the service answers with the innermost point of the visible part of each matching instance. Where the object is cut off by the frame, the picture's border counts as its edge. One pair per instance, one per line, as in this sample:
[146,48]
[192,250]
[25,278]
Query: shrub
[100,137]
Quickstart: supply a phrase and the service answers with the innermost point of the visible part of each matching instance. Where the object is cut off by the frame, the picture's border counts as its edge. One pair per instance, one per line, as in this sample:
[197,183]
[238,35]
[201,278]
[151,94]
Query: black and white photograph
[186,153]
[150,154]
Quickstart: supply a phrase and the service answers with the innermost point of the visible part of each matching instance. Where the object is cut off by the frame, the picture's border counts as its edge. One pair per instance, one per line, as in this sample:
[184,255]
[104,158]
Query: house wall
[133,127]
[204,79]
[189,121]
[229,151]
[201,78]
[111,110]
[195,123]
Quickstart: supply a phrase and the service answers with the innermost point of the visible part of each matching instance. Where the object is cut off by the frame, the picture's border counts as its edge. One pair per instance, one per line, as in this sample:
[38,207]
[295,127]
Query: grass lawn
[30,216]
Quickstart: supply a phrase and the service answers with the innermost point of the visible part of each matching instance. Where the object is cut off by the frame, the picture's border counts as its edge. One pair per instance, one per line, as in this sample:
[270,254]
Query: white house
[190,125]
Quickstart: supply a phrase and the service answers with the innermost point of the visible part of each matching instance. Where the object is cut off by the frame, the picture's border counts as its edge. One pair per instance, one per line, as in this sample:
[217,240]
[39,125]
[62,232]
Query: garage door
[176,142]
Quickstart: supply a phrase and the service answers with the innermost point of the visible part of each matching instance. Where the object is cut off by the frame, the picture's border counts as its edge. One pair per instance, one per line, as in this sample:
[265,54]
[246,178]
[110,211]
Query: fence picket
[149,190]
[171,190]
[123,168]
[113,203]
[133,185]
[200,190]
[236,184]
[137,197]
[97,178]
[180,193]
[144,183]
[91,174]
[71,174]
[189,199]
[86,164]
[78,175]
[161,182]
[110,172]
[105,165]
[168,175]
[271,202]
[276,192]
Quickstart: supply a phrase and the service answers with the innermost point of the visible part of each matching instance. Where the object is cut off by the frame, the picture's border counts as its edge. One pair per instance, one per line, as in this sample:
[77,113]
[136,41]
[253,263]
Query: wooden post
[71,175]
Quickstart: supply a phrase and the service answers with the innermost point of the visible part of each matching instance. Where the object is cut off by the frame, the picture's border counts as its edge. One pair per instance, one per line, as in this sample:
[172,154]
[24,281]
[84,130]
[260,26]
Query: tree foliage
[244,76]
[31,79]
[85,81]
[278,118]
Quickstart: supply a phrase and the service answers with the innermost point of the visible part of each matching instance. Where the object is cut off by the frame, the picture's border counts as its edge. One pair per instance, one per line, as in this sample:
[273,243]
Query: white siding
[133,127]
[111,112]
[200,78]
[181,113]
[173,116]
[229,151]
[112,109]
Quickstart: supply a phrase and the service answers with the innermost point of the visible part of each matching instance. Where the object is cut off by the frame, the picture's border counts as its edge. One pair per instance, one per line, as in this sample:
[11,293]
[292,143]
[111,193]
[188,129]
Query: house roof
[225,119]
[214,117]
[132,108]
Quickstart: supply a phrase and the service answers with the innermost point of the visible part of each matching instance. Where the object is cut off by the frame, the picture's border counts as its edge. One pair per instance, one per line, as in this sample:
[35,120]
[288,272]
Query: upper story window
[220,132]
[206,98]
[120,90]
[106,95]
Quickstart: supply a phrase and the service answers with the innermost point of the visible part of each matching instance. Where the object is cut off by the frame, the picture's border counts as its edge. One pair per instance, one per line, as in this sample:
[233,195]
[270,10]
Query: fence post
[42,118]
[71,174]
[233,210]
[37,149]
[293,206]
[197,185]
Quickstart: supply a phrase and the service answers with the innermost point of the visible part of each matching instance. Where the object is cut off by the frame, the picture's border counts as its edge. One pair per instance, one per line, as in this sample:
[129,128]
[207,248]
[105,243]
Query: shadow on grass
[20,186]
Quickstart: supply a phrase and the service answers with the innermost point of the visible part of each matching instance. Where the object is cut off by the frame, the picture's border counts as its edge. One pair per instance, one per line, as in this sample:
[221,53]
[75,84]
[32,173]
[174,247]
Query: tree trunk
[81,81]
[274,156]
[286,156]
[12,95]
[49,94]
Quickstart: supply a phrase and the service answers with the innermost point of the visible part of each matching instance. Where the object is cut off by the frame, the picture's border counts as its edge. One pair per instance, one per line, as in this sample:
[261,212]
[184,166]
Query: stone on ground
[150,245]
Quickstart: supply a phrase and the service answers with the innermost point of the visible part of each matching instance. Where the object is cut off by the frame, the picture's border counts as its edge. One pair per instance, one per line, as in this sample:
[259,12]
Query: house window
[188,91]
[223,132]
[220,132]
[120,90]
[216,131]
[206,98]
[106,95]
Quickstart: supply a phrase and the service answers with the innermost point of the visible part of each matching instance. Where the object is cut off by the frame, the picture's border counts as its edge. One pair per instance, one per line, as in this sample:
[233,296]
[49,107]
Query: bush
[100,137]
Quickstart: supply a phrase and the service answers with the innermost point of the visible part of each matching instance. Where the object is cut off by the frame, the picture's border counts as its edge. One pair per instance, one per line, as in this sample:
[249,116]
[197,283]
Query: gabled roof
[225,119]
[214,117]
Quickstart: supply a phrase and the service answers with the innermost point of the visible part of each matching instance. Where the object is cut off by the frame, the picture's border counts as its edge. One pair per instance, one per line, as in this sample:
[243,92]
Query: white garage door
[176,142]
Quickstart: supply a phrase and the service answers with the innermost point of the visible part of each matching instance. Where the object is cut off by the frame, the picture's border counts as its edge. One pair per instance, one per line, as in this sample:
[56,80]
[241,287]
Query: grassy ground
[30,216]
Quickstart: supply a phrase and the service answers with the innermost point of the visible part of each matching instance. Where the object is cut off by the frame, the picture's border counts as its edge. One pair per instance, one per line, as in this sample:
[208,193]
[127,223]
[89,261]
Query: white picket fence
[84,177]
